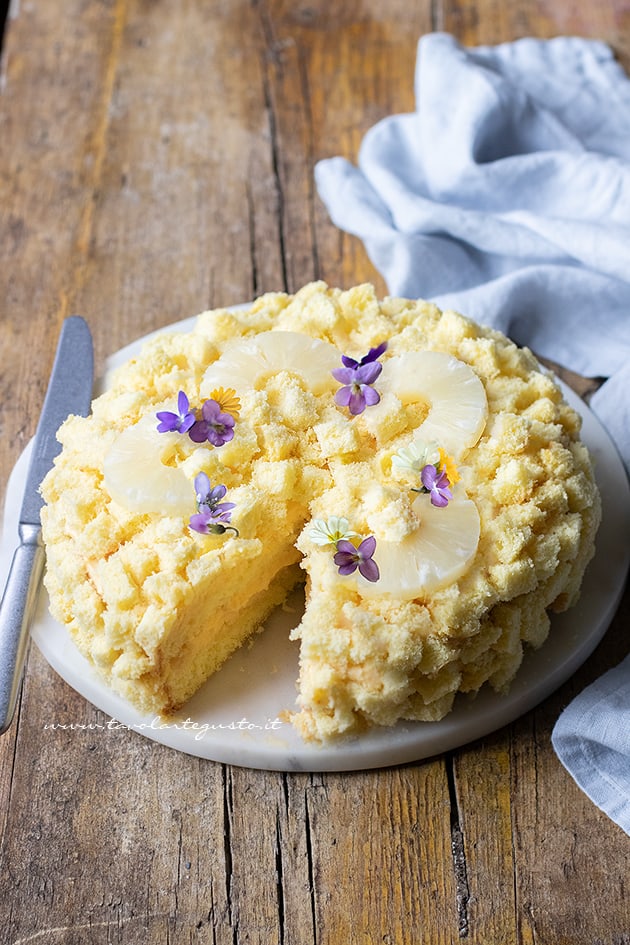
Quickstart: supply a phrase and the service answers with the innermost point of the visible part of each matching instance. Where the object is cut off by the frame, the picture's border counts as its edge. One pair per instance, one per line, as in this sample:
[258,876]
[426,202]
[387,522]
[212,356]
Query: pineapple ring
[134,478]
[437,553]
[458,407]
[244,362]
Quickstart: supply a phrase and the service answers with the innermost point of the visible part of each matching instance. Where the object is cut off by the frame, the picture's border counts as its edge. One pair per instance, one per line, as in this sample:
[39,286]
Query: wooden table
[156,159]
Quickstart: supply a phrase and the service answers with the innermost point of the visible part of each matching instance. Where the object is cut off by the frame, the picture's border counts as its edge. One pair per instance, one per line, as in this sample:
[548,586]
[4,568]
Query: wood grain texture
[156,159]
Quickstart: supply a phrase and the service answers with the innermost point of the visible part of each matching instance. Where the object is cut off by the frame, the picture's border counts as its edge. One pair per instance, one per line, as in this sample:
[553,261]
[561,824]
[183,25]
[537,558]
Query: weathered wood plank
[382,861]
[491,21]
[46,89]
[483,786]
[178,228]
[46,161]
[361,61]
[570,859]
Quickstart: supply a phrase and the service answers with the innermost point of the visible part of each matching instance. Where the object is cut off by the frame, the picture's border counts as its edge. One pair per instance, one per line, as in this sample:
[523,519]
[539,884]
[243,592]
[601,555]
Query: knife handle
[16,611]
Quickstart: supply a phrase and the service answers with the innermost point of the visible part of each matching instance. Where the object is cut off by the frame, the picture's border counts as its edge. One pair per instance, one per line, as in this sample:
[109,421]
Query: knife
[69,392]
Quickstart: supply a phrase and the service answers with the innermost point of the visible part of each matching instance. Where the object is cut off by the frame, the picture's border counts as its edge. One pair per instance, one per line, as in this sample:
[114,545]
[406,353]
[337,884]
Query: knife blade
[69,392]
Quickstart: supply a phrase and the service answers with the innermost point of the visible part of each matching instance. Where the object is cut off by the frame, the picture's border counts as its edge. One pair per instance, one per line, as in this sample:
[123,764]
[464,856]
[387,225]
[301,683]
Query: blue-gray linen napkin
[506,196]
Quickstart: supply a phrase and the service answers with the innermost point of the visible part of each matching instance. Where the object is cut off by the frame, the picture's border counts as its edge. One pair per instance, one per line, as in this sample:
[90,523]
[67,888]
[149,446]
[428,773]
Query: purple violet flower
[357,378]
[210,495]
[213,516]
[179,422]
[348,558]
[357,394]
[437,484]
[215,426]
[372,355]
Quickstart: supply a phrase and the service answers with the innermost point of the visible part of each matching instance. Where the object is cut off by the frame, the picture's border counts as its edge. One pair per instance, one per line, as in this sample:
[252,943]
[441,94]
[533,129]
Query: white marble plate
[235,717]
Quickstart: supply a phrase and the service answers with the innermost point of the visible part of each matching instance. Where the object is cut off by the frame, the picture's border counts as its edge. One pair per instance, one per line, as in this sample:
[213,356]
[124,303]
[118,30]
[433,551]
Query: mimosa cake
[422,474]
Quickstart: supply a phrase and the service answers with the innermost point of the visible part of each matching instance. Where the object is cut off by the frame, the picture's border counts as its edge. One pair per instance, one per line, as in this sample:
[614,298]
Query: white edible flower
[416,456]
[330,532]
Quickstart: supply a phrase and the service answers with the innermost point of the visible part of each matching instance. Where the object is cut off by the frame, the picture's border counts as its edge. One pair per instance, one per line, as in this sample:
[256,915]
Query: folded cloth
[591,738]
[506,196]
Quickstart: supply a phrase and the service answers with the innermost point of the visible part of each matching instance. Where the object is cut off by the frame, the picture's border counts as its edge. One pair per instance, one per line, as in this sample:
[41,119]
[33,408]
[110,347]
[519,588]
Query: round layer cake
[423,474]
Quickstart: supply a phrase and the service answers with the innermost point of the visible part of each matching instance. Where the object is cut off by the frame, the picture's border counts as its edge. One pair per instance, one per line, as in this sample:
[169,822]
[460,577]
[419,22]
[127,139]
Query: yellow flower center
[227,401]
[447,464]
